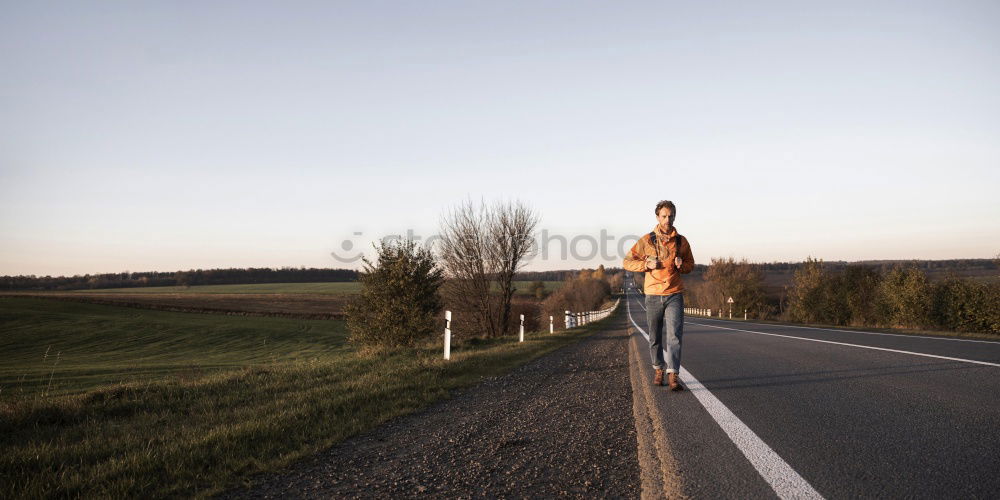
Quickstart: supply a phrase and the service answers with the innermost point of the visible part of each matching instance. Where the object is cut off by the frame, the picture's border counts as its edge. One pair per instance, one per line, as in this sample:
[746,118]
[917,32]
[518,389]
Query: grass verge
[183,432]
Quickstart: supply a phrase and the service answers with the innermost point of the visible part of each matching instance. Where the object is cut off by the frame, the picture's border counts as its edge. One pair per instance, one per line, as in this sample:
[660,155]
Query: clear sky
[176,135]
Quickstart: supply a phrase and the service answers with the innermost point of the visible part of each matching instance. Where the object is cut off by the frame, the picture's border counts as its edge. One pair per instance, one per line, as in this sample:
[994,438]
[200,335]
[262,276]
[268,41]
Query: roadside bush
[901,297]
[399,301]
[532,312]
[966,306]
[726,278]
[807,299]
[857,292]
[580,294]
[904,298]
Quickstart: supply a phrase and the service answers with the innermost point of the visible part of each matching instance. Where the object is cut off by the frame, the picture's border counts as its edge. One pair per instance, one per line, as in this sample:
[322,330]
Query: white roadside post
[447,335]
[552,328]
[522,328]
[744,315]
[730,301]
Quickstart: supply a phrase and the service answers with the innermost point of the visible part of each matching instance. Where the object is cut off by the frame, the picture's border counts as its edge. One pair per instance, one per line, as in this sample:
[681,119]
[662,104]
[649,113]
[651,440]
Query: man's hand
[677,262]
[651,264]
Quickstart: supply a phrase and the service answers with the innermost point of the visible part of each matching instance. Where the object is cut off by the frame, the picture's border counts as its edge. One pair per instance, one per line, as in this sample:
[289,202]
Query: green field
[61,347]
[309,288]
[106,401]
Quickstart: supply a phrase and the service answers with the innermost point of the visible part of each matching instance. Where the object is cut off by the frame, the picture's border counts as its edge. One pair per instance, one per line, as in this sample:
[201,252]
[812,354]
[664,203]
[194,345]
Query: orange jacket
[665,279]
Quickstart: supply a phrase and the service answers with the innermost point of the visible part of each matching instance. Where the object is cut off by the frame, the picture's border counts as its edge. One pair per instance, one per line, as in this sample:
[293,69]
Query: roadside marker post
[552,328]
[568,325]
[522,328]
[447,335]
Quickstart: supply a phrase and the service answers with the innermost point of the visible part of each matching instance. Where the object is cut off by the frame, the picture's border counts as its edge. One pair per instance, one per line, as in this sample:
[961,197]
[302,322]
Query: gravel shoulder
[561,425]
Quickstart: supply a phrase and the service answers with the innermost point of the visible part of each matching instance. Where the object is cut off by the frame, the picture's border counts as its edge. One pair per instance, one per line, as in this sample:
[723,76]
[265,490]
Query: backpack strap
[652,239]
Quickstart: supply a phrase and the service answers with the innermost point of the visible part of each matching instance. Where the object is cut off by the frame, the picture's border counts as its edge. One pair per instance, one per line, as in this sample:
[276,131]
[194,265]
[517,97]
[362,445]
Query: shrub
[399,301]
[903,298]
[966,306]
[577,295]
[726,278]
[806,300]
[858,291]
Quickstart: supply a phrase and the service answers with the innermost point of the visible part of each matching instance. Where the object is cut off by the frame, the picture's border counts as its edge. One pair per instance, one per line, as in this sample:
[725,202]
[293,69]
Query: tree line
[863,295]
[228,276]
[126,279]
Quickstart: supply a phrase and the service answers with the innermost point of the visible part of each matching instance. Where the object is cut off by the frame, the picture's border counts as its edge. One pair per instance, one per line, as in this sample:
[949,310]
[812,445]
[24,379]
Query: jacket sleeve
[687,259]
[635,260]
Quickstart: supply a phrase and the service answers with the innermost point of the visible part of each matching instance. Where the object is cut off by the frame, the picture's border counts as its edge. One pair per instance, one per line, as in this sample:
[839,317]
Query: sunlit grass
[148,403]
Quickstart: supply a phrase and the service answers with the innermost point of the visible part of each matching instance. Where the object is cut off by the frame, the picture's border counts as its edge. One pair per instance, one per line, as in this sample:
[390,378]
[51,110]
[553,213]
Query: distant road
[799,412]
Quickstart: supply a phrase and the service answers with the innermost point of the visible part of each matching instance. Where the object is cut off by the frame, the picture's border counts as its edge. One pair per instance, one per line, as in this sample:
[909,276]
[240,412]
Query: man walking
[663,255]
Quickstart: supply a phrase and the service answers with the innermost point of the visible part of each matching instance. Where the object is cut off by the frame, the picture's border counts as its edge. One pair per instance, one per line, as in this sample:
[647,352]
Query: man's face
[665,218]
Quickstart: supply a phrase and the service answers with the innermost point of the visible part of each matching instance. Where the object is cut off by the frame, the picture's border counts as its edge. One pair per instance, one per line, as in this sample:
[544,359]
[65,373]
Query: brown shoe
[658,379]
[674,382]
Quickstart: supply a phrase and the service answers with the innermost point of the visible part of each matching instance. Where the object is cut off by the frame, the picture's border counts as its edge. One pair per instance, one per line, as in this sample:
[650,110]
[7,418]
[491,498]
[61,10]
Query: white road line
[994,342]
[782,477]
[987,363]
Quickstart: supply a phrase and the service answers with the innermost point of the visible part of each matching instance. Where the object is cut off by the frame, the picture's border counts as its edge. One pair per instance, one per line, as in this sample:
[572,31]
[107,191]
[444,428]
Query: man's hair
[665,203]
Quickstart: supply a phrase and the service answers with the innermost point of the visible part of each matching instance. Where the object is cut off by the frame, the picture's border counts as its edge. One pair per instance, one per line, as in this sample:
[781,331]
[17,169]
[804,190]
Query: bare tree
[463,256]
[481,249]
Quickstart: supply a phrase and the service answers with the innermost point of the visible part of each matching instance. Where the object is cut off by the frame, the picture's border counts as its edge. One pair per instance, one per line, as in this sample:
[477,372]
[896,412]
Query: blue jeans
[665,314]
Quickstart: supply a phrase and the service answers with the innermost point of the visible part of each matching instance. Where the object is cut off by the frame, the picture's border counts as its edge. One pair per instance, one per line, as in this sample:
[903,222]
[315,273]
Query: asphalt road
[795,412]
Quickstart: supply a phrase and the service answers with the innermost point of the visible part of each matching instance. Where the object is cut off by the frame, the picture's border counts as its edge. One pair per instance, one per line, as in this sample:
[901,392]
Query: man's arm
[635,259]
[687,259]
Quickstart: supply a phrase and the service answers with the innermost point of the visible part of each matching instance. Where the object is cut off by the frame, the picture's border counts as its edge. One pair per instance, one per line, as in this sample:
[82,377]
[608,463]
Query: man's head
[665,213]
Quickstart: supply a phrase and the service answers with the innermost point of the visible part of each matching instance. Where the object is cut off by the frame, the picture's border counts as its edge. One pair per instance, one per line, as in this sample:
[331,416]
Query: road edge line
[656,462]
[786,482]
[848,344]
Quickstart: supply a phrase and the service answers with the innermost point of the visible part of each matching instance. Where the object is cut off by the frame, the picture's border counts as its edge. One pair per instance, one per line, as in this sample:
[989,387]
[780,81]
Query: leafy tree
[741,280]
[806,298]
[399,301]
